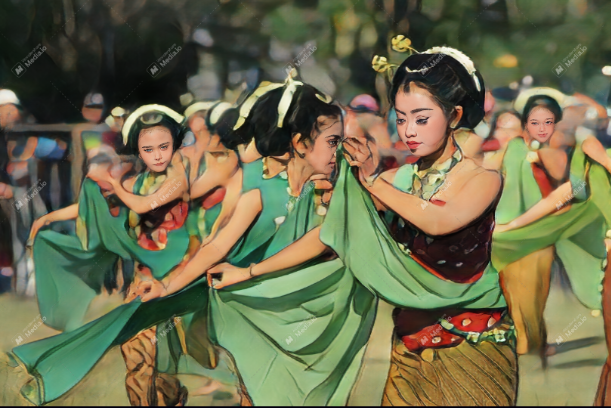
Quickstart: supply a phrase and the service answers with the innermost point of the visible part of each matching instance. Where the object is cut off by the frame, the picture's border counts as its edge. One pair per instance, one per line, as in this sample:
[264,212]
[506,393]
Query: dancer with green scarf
[140,217]
[553,204]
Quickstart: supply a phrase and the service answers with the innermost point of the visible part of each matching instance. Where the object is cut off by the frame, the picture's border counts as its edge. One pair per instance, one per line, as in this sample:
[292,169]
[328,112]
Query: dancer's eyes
[333,142]
[400,121]
[422,121]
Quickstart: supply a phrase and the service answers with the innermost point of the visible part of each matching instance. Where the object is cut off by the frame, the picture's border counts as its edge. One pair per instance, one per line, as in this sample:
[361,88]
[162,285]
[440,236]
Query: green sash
[360,237]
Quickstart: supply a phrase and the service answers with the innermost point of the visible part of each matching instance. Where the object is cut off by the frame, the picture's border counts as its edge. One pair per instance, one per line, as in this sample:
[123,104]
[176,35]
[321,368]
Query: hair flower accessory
[401,43]
[380,64]
[460,57]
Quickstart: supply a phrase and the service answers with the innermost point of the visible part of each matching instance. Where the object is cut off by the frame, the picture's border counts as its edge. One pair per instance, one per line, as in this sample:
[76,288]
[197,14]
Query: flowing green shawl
[71,270]
[297,336]
[578,234]
[357,233]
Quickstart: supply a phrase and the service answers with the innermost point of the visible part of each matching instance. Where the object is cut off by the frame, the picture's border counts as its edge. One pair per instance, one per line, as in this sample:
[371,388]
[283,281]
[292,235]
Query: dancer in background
[140,217]
[571,189]
[603,394]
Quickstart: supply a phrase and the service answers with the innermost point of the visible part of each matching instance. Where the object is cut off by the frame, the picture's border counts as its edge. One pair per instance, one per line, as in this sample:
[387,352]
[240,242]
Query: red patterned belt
[436,336]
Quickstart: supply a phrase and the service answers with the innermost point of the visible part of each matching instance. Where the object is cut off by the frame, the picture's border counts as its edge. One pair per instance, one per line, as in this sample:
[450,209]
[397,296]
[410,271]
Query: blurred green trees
[107,45]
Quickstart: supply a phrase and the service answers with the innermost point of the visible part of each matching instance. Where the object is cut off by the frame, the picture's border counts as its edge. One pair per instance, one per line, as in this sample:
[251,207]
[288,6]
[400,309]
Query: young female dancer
[453,341]
[140,217]
[541,180]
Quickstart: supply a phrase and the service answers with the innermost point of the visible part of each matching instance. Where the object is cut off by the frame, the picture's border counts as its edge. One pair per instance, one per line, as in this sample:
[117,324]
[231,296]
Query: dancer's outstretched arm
[230,201]
[553,202]
[595,150]
[248,208]
[67,213]
[304,249]
[218,173]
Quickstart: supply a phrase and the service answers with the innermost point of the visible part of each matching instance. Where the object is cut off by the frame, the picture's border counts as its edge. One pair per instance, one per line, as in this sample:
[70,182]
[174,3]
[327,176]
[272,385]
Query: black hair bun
[306,106]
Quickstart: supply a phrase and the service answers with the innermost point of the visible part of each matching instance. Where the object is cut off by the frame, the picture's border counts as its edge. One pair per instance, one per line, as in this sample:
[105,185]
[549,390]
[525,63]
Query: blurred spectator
[505,125]
[363,119]
[20,202]
[86,136]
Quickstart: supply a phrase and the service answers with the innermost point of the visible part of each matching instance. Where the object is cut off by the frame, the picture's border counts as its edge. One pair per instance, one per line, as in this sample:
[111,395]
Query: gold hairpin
[401,43]
[325,98]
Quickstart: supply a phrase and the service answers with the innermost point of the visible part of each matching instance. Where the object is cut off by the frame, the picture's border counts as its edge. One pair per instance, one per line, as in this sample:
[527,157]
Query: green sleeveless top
[72,270]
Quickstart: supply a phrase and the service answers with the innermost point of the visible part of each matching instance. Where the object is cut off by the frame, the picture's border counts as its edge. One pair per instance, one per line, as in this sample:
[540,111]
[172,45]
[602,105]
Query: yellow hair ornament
[325,98]
[246,107]
[380,64]
[401,43]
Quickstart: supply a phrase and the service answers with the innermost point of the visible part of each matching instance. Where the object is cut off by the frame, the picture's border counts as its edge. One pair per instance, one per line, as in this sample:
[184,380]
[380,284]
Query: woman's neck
[274,166]
[441,155]
[299,172]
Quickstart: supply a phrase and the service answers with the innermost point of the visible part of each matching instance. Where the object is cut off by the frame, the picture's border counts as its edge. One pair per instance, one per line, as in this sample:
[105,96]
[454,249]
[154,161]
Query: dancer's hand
[6,191]
[321,182]
[230,275]
[37,225]
[363,153]
[100,173]
[150,290]
[504,227]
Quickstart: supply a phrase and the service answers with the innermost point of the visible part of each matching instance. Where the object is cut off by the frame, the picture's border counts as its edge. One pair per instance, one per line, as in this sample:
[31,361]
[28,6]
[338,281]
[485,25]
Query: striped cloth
[468,374]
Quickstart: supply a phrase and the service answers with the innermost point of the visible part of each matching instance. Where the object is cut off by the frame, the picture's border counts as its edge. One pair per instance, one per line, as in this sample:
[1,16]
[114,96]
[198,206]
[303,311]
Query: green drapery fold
[360,237]
[69,276]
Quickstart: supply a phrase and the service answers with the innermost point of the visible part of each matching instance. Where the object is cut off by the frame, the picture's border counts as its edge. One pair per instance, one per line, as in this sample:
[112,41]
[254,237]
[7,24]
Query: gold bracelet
[250,270]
